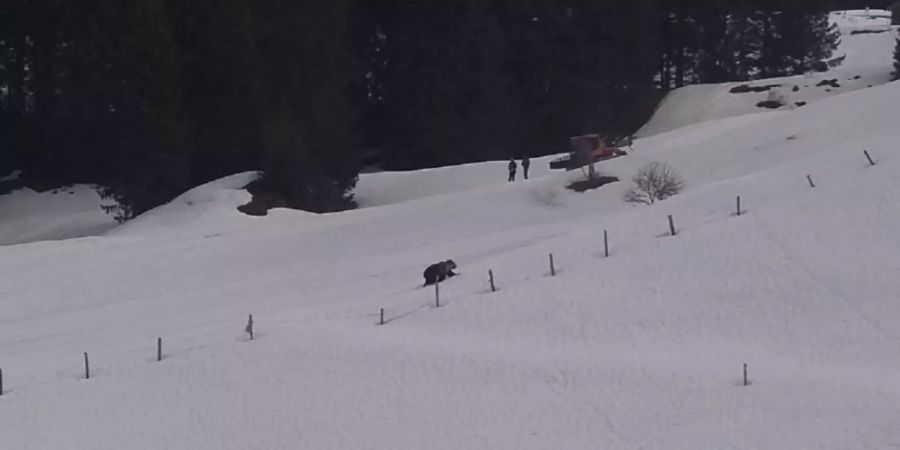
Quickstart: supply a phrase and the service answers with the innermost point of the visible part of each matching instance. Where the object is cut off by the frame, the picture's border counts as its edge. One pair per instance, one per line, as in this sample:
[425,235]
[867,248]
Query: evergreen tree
[224,93]
[145,131]
[475,80]
[10,109]
[896,74]
[798,40]
[309,155]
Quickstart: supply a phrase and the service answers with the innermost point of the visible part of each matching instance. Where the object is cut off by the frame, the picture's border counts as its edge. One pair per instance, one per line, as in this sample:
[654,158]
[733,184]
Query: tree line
[147,98]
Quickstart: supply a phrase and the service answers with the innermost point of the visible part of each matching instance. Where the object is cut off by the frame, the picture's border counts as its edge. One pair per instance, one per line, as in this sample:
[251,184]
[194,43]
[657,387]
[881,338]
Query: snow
[867,63]
[384,188]
[69,212]
[197,211]
[644,349]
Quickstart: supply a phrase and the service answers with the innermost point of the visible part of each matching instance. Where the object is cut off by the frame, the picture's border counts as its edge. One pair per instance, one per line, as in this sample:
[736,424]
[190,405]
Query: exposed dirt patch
[743,88]
[265,199]
[769,104]
[261,203]
[832,82]
[868,32]
[587,185]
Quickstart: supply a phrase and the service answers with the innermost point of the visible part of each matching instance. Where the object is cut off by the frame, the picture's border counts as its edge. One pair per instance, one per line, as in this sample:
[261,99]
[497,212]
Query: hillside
[644,349]
[866,49]
[867,43]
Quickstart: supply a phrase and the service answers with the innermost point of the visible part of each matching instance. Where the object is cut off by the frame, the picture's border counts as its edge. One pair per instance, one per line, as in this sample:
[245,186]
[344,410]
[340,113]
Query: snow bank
[209,208]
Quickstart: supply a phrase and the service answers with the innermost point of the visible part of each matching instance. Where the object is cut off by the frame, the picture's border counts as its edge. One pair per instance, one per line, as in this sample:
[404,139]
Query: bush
[654,182]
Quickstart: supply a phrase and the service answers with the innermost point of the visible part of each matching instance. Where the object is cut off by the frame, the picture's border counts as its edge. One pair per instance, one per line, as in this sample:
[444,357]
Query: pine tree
[149,147]
[475,80]
[309,155]
[223,87]
[803,39]
[715,41]
[896,74]
[100,80]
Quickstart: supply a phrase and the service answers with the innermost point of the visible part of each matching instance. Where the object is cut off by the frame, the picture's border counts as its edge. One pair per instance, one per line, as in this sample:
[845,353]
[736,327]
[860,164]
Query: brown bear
[439,271]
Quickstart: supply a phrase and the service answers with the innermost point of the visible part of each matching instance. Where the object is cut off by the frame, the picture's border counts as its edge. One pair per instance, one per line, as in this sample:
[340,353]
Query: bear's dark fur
[439,271]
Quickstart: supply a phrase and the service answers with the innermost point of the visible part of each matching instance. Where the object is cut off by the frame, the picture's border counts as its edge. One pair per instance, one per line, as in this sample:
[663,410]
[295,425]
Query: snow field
[643,349]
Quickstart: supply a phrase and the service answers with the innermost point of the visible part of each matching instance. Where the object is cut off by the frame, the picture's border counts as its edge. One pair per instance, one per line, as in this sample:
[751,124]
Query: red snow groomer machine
[589,149]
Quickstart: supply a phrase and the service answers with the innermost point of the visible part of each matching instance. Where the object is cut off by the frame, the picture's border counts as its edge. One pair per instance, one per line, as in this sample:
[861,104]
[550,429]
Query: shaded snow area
[864,56]
[65,213]
[644,349]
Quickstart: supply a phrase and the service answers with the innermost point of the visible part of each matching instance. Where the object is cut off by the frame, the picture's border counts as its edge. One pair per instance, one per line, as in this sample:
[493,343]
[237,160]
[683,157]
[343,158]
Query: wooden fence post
[437,294]
[871,163]
[87,367]
[1,382]
[158,349]
[671,225]
[739,205]
[746,381]
[605,245]
[381,320]
[552,267]
[249,328]
[811,184]
[491,275]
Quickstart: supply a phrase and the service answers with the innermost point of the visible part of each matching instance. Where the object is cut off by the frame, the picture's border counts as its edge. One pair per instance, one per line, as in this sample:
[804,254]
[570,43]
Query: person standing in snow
[512,169]
[525,164]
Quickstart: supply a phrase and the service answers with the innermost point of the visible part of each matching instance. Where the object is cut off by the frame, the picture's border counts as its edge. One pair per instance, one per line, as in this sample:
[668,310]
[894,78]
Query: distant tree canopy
[896,74]
[150,97]
[147,98]
[468,80]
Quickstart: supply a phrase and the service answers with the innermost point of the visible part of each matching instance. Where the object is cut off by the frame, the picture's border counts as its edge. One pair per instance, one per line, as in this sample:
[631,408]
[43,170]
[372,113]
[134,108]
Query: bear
[439,271]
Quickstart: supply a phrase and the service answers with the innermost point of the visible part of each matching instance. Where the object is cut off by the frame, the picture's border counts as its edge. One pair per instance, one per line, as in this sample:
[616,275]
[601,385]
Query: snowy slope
[70,212]
[867,45]
[26,216]
[642,350]
[198,211]
[384,188]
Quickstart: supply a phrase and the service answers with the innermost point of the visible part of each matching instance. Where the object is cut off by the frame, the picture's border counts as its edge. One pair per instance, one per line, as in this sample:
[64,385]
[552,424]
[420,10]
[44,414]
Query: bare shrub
[653,182]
